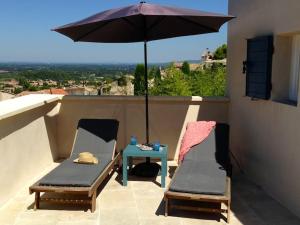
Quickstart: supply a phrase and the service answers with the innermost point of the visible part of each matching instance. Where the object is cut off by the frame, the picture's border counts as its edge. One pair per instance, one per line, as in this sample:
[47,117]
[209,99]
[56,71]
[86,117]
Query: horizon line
[94,63]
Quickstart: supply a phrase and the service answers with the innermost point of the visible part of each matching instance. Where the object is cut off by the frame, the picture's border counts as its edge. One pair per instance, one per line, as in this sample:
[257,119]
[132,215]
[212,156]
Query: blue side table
[133,151]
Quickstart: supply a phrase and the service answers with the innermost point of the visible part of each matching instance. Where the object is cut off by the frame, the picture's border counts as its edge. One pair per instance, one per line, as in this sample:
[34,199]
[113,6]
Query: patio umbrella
[143,22]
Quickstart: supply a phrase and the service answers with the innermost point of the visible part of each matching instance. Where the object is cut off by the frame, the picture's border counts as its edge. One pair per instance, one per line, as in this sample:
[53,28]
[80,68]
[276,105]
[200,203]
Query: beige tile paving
[140,203]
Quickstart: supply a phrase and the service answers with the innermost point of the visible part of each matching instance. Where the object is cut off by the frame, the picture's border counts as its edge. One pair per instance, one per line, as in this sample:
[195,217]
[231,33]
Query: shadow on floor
[135,178]
[252,205]
[189,214]
[172,170]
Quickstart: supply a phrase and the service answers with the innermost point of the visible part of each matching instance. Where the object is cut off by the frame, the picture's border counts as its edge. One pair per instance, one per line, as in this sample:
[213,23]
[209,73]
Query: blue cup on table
[133,140]
[156,146]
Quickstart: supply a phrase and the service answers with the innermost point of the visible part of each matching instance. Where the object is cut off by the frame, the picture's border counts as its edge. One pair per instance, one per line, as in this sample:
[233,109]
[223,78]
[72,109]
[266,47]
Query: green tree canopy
[186,67]
[24,83]
[154,73]
[202,82]
[18,91]
[173,84]
[208,82]
[139,86]
[221,52]
[122,81]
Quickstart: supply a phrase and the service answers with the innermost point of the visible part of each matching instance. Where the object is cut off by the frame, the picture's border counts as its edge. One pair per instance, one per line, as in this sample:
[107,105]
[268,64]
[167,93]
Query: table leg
[125,170]
[130,162]
[164,167]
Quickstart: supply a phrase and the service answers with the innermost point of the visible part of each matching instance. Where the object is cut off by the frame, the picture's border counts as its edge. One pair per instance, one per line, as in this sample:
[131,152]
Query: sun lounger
[97,136]
[203,176]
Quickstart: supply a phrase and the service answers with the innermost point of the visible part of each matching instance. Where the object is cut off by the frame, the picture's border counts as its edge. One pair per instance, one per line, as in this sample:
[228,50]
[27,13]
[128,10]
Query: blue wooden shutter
[259,67]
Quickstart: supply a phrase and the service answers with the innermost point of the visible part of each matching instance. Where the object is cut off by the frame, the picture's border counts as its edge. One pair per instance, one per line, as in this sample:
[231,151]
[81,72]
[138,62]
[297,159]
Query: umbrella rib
[91,31]
[197,24]
[131,23]
[157,22]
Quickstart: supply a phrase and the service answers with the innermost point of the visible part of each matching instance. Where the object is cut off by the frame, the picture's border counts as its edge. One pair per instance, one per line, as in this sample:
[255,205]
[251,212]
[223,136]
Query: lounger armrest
[229,170]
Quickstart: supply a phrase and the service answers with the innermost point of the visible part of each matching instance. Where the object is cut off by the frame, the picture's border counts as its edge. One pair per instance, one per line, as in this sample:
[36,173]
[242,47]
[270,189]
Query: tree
[173,84]
[202,82]
[157,75]
[208,82]
[24,83]
[154,73]
[45,86]
[33,88]
[108,80]
[219,81]
[18,91]
[139,86]
[122,81]
[221,52]
[186,67]
[151,73]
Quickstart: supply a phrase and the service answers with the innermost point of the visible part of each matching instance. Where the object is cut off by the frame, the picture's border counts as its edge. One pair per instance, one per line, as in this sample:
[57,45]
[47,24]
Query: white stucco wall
[265,135]
[27,141]
[168,117]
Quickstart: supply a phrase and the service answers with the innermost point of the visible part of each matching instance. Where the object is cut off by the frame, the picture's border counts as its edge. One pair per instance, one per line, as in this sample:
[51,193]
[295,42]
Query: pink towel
[196,132]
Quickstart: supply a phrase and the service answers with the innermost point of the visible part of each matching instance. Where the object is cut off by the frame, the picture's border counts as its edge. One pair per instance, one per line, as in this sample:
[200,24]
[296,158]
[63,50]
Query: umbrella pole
[146,95]
[146,169]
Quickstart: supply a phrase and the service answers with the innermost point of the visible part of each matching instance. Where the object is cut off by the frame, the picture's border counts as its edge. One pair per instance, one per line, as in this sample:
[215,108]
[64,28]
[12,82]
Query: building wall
[27,148]
[265,135]
[168,117]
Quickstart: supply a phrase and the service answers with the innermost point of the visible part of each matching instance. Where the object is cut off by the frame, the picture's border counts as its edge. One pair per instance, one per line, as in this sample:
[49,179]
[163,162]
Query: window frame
[295,69]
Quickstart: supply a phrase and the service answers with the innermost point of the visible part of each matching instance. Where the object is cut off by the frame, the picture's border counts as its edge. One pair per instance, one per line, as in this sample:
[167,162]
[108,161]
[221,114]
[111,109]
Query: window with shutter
[259,67]
[295,69]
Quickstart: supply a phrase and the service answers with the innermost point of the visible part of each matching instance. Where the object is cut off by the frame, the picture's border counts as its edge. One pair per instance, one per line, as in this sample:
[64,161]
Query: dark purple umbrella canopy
[143,22]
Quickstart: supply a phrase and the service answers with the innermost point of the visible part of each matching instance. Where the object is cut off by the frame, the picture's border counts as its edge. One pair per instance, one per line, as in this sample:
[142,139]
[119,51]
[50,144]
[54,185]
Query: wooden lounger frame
[89,192]
[226,199]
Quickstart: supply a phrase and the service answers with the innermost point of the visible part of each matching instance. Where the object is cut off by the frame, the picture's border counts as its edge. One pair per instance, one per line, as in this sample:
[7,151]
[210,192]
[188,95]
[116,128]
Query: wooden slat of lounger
[58,189]
[190,196]
[198,209]
[200,197]
[66,201]
[195,197]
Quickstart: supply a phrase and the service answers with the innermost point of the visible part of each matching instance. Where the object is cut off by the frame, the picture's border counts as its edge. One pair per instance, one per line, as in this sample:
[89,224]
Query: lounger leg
[120,162]
[166,206]
[228,211]
[93,203]
[164,169]
[37,201]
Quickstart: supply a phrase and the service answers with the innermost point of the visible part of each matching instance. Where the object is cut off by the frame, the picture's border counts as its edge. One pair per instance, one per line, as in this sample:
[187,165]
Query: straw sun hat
[86,158]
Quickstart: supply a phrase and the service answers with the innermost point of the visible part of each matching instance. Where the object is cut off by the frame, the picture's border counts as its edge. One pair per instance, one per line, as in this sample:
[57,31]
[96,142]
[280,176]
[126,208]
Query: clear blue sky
[26,37]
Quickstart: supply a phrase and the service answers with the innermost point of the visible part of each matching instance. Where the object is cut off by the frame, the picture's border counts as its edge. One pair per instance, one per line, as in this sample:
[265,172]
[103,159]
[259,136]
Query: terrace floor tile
[141,203]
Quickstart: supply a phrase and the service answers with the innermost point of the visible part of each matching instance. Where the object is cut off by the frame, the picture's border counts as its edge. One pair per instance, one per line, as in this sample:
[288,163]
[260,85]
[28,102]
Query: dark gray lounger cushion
[75,175]
[200,178]
[203,170]
[214,148]
[96,136]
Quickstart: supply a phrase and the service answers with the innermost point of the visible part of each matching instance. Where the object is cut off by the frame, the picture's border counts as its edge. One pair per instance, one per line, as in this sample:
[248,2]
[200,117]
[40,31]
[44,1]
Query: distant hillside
[59,72]
[63,71]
